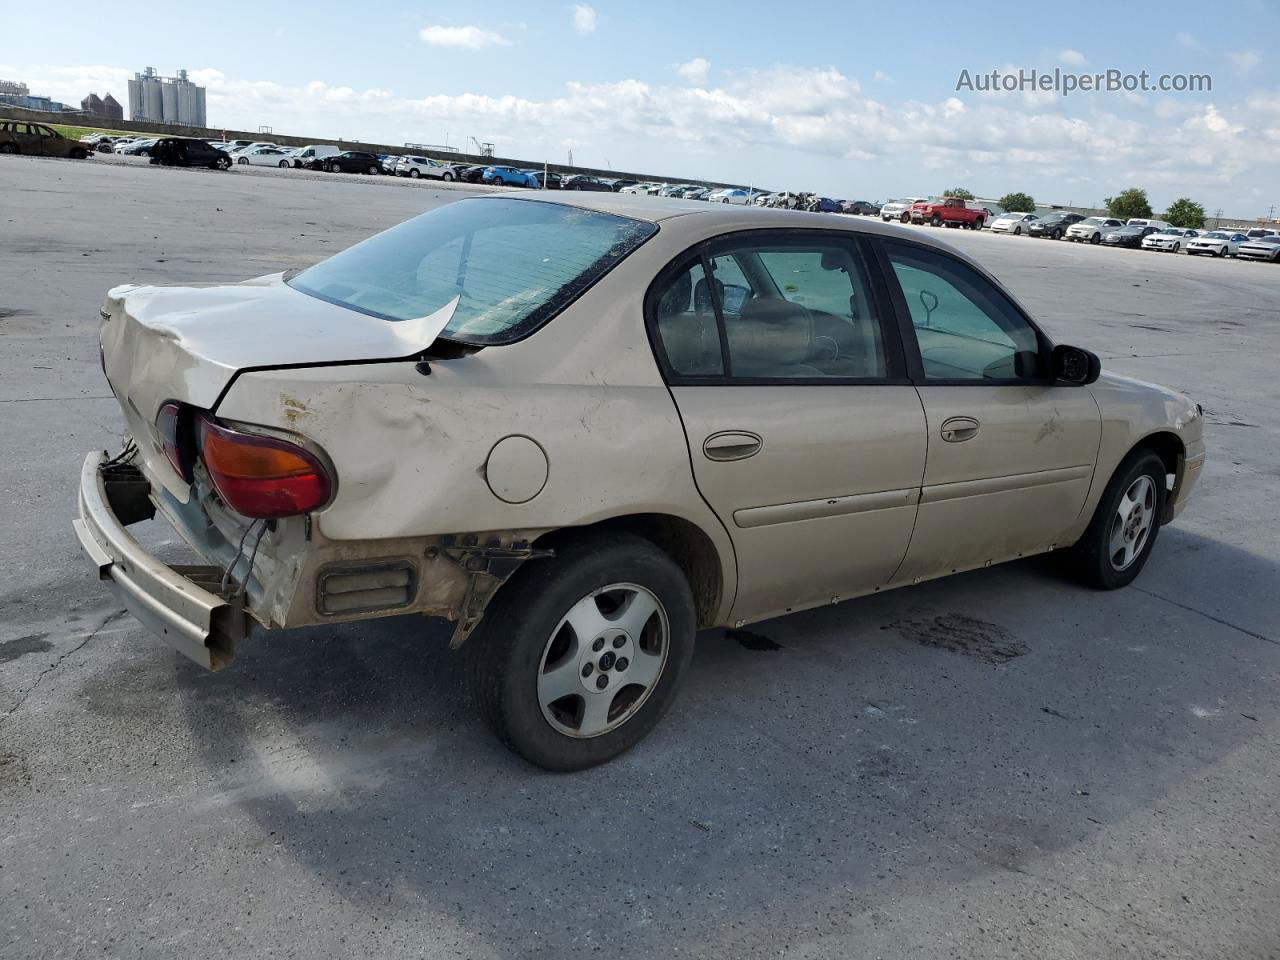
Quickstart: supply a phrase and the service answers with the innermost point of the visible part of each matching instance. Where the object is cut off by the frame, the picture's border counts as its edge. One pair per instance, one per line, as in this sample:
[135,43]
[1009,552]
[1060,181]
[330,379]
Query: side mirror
[1075,365]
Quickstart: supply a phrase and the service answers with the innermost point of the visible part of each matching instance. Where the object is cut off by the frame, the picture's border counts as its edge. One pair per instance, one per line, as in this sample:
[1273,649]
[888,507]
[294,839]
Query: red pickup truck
[949,210]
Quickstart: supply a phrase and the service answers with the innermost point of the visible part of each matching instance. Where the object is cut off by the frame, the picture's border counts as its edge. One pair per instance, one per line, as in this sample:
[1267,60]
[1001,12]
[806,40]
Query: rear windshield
[514,264]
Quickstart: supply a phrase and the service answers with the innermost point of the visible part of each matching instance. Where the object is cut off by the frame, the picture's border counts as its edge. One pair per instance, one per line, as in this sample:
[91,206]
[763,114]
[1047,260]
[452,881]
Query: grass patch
[75,133]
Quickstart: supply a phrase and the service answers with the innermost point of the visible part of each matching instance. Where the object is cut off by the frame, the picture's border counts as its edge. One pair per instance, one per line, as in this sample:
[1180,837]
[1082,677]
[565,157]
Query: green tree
[960,192]
[1017,203]
[1185,212]
[1128,204]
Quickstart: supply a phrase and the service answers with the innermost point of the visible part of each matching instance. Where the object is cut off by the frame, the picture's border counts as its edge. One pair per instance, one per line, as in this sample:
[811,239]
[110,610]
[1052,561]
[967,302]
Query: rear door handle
[957,429]
[732,445]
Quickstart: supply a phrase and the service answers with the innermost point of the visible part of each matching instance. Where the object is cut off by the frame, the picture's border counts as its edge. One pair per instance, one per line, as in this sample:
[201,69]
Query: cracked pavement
[999,764]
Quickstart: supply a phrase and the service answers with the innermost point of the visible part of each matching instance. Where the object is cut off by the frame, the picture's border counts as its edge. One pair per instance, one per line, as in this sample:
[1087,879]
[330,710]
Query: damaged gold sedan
[583,427]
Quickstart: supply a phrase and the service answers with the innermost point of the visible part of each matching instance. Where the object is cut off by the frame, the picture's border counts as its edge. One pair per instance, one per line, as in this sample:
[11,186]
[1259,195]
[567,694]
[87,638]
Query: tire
[935,221]
[530,621]
[885,219]
[373,171]
[79,154]
[8,148]
[1221,253]
[448,177]
[144,153]
[243,161]
[283,164]
[223,164]
[1093,558]
[905,218]
[1055,235]
[977,224]
[1177,248]
[413,173]
[1096,239]
[1017,231]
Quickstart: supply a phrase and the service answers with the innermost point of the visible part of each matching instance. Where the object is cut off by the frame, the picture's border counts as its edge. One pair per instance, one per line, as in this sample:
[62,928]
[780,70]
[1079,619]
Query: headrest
[676,298]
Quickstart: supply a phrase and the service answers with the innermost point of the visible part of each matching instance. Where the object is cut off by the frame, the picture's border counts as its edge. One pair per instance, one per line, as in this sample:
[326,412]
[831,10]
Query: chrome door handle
[957,429]
[732,445]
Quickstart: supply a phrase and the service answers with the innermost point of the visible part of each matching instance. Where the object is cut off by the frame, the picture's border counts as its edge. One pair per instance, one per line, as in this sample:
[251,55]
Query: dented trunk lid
[187,343]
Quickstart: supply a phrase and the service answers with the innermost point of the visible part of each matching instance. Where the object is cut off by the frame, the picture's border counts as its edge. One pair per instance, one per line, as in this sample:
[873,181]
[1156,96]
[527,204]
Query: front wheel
[905,218]
[580,655]
[1177,248]
[79,154]
[1017,231]
[885,219]
[1123,531]
[372,171]
[1055,235]
[1096,238]
[935,221]
[447,177]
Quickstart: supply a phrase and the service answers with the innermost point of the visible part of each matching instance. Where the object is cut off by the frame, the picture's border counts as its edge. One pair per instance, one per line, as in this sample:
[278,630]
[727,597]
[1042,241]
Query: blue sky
[848,99]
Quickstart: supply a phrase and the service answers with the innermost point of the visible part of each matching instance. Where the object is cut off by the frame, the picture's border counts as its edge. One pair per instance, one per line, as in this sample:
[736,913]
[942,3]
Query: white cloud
[696,70]
[584,18]
[467,38]
[881,77]
[1072,57]
[1244,61]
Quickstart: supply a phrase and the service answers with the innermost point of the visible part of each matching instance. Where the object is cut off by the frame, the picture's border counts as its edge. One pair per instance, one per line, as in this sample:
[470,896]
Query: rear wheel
[222,163]
[1123,531]
[81,154]
[283,164]
[413,173]
[447,176]
[977,224]
[580,655]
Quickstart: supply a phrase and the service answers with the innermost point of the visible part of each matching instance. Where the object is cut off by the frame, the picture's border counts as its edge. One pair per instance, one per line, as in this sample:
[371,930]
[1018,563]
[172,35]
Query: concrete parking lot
[1000,764]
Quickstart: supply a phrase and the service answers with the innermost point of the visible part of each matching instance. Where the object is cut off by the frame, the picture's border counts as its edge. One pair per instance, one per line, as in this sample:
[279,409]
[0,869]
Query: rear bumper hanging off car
[176,603]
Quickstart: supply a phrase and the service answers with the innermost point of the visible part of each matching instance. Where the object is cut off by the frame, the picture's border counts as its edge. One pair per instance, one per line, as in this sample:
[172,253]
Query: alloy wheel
[1132,522]
[603,660]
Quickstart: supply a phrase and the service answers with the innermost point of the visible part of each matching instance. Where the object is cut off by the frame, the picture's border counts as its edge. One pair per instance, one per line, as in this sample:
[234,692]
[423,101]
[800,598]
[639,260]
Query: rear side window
[512,264]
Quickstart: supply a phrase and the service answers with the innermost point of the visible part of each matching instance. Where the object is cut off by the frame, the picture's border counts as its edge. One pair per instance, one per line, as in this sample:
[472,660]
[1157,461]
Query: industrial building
[166,99]
[14,93]
[107,107]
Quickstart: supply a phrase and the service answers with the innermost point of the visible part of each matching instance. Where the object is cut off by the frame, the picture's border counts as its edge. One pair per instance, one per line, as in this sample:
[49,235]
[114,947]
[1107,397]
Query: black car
[1126,236]
[471,174]
[583,182]
[184,152]
[1053,225]
[353,161]
[863,207]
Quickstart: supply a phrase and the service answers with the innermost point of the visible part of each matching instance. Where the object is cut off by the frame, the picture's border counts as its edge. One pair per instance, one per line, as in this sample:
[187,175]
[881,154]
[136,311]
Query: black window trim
[907,333]
[896,361]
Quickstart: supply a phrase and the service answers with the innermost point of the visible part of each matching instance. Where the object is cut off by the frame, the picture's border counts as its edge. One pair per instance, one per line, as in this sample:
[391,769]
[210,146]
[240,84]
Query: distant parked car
[898,209]
[416,166]
[1262,248]
[471,174]
[313,155]
[236,151]
[553,178]
[863,208]
[732,195]
[1053,226]
[264,157]
[188,152]
[37,140]
[137,148]
[353,161]
[1170,239]
[1258,233]
[583,182]
[1015,223]
[1217,243]
[617,185]
[1090,229]
[509,177]
[952,211]
[1130,235]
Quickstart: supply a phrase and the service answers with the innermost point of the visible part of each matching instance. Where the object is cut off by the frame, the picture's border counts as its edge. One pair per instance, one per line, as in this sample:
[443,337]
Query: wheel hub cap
[1132,523]
[603,660]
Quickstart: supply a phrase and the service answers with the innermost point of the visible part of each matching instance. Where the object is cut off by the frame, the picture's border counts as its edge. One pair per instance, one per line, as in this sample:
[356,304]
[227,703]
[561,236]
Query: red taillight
[173,423]
[261,476]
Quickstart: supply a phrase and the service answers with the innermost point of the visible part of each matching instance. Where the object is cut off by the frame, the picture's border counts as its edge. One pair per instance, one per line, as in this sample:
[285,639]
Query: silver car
[584,426]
